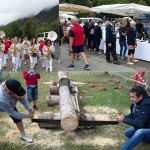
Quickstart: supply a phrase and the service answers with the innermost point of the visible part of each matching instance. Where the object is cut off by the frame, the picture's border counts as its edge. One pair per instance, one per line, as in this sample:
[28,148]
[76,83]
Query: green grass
[113,98]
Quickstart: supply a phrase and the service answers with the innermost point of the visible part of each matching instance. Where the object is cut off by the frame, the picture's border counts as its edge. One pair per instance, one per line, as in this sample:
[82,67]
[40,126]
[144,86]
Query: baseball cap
[14,87]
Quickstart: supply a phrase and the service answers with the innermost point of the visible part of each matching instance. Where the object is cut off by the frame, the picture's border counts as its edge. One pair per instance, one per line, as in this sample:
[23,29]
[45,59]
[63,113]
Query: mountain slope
[45,15]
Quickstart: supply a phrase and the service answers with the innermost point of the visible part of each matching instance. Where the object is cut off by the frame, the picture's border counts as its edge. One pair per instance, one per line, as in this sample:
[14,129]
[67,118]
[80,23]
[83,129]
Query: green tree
[13,29]
[29,28]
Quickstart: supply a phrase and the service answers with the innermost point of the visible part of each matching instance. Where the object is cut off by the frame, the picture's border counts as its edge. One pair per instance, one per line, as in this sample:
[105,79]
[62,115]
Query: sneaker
[123,58]
[35,107]
[70,66]
[87,67]
[116,62]
[13,70]
[129,63]
[26,138]
[135,61]
[109,61]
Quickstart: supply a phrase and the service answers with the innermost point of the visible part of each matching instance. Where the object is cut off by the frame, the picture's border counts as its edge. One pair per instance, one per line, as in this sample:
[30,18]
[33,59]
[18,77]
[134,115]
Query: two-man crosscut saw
[84,123]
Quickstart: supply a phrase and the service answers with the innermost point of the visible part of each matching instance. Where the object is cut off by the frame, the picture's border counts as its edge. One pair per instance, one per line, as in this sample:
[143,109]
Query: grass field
[103,96]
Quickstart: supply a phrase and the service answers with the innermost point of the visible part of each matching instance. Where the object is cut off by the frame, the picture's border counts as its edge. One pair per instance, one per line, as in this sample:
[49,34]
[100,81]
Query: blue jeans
[123,44]
[32,93]
[135,137]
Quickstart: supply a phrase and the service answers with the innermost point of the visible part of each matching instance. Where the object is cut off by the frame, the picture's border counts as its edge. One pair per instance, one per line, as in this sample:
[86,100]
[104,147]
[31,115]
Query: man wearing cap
[111,42]
[11,92]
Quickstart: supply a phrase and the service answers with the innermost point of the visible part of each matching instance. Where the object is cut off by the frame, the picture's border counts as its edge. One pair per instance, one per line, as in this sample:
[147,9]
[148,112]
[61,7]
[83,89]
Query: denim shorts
[32,93]
[78,49]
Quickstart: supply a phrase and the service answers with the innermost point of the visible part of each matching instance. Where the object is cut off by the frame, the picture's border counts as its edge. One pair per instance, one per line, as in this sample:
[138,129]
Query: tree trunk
[69,119]
[49,116]
[53,100]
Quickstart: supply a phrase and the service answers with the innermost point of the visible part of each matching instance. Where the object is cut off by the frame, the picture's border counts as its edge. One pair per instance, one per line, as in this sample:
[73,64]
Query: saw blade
[81,122]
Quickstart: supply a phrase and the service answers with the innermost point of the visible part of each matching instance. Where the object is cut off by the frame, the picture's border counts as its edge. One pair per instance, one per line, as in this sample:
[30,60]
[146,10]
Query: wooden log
[54,90]
[54,83]
[69,119]
[48,116]
[53,100]
[63,79]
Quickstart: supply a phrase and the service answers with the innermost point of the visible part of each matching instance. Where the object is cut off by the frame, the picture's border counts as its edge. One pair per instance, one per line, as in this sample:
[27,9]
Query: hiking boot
[70,66]
[35,107]
[116,62]
[26,138]
[87,67]
[109,61]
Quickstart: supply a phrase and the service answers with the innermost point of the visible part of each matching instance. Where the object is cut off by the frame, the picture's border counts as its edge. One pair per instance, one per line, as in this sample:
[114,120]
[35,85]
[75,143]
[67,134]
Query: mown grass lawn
[102,97]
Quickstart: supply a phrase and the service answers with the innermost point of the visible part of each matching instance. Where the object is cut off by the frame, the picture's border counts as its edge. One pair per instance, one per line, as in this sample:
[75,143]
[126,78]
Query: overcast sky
[11,10]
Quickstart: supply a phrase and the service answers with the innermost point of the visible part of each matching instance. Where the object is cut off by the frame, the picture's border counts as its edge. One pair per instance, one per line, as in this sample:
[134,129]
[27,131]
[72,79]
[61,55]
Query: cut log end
[54,90]
[69,123]
[53,100]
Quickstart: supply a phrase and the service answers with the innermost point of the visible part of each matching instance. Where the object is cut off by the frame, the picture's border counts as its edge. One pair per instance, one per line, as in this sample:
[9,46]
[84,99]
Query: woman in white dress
[2,48]
[21,48]
[33,50]
[47,50]
[16,51]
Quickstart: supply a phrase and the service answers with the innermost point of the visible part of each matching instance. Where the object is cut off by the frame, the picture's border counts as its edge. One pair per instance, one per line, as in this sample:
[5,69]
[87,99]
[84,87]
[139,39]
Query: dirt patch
[97,88]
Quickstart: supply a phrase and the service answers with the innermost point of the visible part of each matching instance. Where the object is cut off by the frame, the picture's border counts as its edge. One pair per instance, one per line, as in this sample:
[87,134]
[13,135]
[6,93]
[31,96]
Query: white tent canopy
[122,9]
[65,16]
[67,12]
[67,7]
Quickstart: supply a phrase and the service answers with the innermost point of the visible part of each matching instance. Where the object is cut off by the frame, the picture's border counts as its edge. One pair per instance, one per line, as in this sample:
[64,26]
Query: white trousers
[5,59]
[1,63]
[48,64]
[15,62]
[32,62]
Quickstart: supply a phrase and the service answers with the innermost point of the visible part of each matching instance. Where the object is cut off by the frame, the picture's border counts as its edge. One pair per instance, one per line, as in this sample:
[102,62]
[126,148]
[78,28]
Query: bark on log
[53,100]
[69,119]
[54,90]
[49,116]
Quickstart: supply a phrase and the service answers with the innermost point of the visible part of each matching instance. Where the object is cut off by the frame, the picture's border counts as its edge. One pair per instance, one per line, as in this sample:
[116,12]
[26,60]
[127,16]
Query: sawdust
[48,138]
[98,109]
[100,141]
